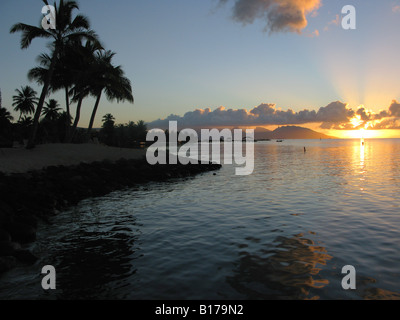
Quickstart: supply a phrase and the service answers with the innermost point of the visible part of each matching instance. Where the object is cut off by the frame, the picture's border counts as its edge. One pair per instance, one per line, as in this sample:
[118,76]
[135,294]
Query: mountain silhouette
[289,132]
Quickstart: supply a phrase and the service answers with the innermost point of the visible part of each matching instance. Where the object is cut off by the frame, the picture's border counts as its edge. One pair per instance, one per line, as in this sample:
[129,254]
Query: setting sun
[360,133]
[363,133]
[356,121]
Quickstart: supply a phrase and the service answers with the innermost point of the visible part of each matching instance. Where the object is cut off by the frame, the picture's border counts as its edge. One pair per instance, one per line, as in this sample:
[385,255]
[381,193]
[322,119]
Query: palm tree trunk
[76,120]
[94,112]
[38,112]
[67,101]
[68,122]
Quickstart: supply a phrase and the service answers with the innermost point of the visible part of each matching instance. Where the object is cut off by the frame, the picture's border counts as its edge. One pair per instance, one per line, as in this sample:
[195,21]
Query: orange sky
[351,134]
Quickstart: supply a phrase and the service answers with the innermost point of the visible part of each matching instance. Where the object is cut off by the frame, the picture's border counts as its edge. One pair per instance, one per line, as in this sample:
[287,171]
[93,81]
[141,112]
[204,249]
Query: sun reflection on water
[362,152]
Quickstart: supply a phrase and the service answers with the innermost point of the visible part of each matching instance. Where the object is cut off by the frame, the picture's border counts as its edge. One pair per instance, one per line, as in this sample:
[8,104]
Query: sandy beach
[20,160]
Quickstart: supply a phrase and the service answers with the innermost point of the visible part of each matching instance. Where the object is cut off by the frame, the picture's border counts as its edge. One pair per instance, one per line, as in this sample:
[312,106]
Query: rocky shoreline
[29,197]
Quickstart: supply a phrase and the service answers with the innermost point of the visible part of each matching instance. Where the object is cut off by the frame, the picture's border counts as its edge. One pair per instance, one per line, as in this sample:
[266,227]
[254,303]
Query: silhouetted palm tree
[110,79]
[25,101]
[108,118]
[66,29]
[107,132]
[24,126]
[25,121]
[5,126]
[5,116]
[6,134]
[141,125]
[63,75]
[83,79]
[64,120]
[51,110]
[142,130]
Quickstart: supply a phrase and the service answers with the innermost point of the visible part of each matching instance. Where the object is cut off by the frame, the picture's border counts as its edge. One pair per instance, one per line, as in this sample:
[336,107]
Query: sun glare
[363,134]
[360,134]
[356,121]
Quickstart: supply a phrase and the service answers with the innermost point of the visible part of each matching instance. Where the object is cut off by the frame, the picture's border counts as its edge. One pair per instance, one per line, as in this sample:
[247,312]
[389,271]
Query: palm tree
[108,119]
[110,79]
[24,125]
[5,126]
[84,62]
[5,116]
[6,135]
[63,74]
[67,29]
[68,71]
[141,125]
[25,121]
[25,101]
[51,110]
[142,130]
[107,132]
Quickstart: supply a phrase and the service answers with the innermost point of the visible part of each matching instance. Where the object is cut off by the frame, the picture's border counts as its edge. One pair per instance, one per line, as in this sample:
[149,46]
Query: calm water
[284,232]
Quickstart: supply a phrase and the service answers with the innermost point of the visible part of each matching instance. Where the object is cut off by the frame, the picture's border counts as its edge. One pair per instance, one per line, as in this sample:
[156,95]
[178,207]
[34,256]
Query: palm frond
[64,13]
[38,74]
[82,34]
[44,60]
[79,22]
[29,33]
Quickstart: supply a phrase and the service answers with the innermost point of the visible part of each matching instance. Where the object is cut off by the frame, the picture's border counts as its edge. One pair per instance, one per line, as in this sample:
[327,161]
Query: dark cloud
[381,115]
[364,114]
[336,115]
[335,112]
[264,114]
[280,15]
[390,123]
[394,109]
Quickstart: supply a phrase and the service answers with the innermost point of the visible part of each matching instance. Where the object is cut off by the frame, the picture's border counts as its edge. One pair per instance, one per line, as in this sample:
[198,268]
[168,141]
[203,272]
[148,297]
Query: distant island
[280,133]
[289,132]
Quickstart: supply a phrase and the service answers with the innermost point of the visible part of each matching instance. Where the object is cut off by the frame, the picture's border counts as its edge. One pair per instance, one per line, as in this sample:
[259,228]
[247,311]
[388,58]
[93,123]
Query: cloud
[394,109]
[334,22]
[280,15]
[335,112]
[264,114]
[336,115]
[313,34]
[364,114]
[390,123]
[268,114]
[396,9]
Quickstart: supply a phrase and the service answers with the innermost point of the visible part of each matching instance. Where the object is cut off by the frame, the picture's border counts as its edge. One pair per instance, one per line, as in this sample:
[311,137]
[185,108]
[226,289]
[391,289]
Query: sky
[235,62]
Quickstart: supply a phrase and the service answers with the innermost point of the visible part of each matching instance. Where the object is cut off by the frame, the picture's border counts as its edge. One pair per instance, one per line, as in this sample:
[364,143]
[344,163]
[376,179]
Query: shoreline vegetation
[78,65]
[55,177]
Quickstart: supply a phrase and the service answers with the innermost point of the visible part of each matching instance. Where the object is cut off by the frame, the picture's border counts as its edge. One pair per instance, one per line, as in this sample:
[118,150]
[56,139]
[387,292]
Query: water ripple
[284,232]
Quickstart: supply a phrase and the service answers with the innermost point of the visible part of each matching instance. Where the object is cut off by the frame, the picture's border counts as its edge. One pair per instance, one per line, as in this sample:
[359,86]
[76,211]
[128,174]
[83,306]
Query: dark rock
[7,263]
[76,179]
[25,216]
[25,256]
[6,211]
[4,236]
[22,232]
[7,248]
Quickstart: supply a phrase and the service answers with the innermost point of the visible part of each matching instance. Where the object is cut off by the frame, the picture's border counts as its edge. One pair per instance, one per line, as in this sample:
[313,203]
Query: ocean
[283,232]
